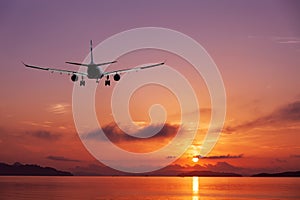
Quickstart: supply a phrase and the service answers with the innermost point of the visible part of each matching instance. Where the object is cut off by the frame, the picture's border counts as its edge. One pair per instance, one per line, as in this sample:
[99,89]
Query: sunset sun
[195,159]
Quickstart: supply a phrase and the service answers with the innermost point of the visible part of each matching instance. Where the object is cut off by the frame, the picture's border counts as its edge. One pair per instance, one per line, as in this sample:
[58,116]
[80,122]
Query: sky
[255,44]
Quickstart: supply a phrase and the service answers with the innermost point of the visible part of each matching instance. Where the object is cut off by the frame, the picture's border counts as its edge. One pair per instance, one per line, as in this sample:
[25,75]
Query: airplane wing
[132,69]
[56,70]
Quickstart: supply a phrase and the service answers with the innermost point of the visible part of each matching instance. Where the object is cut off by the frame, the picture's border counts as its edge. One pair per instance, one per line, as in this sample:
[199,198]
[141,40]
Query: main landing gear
[82,82]
[107,81]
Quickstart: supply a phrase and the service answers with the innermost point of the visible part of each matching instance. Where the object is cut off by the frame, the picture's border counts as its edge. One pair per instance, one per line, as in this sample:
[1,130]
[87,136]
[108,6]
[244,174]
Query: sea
[192,188]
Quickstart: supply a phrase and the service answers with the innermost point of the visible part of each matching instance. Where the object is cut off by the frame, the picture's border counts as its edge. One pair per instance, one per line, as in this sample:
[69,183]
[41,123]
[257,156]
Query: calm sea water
[148,188]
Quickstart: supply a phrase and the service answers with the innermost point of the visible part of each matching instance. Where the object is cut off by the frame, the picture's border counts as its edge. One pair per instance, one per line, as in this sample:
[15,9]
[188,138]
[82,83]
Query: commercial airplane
[93,70]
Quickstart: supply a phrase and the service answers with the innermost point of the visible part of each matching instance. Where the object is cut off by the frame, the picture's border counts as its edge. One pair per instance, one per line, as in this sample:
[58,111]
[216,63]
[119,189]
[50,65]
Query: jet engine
[117,77]
[74,78]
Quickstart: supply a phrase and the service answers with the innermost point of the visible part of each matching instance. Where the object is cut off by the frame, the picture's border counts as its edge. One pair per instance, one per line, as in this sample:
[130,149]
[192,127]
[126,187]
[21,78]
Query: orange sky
[255,45]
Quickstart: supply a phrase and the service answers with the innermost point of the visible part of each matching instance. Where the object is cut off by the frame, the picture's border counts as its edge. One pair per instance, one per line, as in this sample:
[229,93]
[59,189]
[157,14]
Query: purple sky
[256,45]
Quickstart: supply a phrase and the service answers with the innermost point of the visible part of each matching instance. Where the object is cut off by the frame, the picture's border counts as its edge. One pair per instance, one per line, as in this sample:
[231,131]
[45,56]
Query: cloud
[286,40]
[280,160]
[289,113]
[228,156]
[59,108]
[116,135]
[60,158]
[45,124]
[171,157]
[295,156]
[45,135]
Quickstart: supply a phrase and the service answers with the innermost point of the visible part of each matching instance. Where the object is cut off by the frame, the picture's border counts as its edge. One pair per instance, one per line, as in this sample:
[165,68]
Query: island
[282,174]
[209,174]
[18,169]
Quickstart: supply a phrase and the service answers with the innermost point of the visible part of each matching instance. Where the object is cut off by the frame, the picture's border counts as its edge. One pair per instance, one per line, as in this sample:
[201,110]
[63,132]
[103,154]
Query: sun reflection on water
[195,187]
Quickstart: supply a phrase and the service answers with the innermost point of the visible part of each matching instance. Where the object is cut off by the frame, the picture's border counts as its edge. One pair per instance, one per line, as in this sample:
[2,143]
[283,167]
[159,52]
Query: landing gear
[97,81]
[107,81]
[82,82]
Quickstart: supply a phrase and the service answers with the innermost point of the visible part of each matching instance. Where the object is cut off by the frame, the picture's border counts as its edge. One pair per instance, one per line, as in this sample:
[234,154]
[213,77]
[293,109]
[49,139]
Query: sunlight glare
[195,187]
[195,159]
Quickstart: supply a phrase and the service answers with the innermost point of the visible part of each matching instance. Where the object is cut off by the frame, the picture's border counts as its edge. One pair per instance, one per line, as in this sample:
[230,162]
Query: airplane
[93,70]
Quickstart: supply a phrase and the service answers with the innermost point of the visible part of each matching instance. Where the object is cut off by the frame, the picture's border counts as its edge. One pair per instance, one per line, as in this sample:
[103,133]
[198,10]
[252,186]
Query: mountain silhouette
[18,169]
[209,174]
[282,174]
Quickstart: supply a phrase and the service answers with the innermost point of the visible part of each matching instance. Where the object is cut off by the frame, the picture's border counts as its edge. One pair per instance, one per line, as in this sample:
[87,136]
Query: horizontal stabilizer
[80,64]
[106,63]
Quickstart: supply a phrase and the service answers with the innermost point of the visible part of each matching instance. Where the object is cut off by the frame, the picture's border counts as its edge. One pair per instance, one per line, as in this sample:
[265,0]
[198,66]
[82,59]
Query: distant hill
[209,174]
[19,169]
[282,174]
[95,170]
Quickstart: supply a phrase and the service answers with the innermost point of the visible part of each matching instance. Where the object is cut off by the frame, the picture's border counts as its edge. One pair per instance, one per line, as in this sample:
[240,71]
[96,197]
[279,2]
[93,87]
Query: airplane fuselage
[94,72]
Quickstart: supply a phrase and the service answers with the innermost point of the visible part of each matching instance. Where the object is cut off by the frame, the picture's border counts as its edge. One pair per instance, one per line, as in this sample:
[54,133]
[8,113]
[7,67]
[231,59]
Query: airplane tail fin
[92,60]
[91,49]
